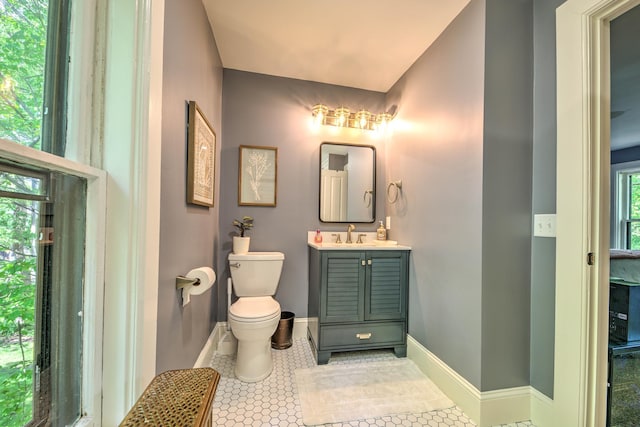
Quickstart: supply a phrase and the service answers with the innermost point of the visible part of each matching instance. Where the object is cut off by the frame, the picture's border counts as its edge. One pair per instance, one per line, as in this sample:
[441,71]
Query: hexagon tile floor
[274,401]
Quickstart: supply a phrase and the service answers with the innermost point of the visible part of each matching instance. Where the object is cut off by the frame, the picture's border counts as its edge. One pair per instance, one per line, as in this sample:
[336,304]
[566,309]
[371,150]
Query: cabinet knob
[364,336]
[363,262]
[369,262]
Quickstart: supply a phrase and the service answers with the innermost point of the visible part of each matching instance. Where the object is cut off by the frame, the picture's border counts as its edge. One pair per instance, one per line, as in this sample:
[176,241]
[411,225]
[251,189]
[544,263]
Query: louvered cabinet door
[357,300]
[343,287]
[387,281]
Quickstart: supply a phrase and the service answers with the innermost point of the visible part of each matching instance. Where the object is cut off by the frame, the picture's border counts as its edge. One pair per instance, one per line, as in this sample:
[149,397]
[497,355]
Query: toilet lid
[254,308]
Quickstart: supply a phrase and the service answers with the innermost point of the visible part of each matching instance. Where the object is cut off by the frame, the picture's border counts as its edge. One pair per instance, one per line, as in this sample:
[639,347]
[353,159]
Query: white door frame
[583,164]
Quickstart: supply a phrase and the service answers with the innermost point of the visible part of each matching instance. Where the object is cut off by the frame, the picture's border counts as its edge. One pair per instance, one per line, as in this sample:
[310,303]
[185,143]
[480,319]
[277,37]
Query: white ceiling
[356,43]
[370,44]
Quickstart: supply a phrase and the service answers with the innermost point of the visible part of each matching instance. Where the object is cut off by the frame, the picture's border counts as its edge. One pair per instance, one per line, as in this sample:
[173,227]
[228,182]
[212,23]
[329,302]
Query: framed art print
[201,158]
[257,176]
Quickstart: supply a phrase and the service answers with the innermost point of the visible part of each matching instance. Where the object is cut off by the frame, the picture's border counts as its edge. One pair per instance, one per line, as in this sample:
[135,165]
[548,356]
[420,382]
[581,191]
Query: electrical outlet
[388,225]
[544,225]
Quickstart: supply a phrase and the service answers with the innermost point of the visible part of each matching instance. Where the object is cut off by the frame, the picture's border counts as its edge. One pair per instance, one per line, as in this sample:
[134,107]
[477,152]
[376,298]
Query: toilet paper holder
[182,281]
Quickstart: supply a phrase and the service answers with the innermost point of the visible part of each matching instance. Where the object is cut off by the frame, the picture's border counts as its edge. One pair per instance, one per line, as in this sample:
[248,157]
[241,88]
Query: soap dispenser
[382,232]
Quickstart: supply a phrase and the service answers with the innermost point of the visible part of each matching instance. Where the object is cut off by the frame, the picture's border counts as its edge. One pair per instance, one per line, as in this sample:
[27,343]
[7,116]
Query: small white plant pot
[241,245]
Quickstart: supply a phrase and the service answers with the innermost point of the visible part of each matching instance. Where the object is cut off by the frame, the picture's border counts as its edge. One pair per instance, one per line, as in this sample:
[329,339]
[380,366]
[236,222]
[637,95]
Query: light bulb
[319,113]
[362,119]
[342,116]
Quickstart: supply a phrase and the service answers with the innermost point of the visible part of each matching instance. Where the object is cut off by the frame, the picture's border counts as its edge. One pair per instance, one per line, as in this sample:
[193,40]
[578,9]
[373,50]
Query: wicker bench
[180,398]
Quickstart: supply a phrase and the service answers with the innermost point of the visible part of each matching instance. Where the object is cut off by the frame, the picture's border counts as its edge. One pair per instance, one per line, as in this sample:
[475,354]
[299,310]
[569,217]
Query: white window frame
[620,201]
[93,288]
[114,120]
[115,117]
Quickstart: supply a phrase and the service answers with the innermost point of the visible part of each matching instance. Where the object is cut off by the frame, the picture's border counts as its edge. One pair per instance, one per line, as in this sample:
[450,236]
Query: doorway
[623,399]
[582,251]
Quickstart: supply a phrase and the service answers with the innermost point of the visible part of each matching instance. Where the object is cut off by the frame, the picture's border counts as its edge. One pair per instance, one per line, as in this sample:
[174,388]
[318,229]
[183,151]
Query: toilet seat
[254,309]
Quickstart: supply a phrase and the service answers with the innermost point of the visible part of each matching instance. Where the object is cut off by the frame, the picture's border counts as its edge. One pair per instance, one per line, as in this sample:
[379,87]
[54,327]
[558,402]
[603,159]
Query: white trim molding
[300,327]
[211,346]
[582,199]
[132,105]
[487,408]
[93,289]
[541,409]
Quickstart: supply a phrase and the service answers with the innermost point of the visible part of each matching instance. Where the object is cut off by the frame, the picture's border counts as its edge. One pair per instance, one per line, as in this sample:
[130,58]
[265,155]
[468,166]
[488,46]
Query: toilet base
[254,361]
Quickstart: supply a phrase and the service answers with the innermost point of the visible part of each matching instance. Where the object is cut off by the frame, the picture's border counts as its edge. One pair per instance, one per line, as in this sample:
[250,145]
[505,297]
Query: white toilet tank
[256,274]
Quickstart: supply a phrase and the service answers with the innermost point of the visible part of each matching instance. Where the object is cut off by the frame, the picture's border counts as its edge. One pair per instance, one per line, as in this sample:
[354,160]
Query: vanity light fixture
[342,117]
[382,121]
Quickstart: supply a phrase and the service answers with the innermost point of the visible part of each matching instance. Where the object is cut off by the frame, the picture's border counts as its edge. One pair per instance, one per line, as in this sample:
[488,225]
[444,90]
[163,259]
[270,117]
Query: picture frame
[201,158]
[257,175]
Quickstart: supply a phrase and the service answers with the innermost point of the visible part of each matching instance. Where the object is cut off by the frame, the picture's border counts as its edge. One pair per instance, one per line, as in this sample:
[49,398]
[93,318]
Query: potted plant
[241,242]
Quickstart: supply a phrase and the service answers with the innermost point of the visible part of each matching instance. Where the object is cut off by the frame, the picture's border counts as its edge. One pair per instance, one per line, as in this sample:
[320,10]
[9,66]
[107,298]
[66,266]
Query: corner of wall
[487,408]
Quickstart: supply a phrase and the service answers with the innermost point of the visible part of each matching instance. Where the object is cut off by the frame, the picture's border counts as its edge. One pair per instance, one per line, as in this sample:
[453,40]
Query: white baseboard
[300,328]
[210,346]
[541,409]
[484,408]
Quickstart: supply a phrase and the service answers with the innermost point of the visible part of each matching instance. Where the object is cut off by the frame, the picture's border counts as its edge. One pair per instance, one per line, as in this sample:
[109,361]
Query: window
[625,215]
[108,115]
[41,273]
[33,72]
[632,217]
[41,294]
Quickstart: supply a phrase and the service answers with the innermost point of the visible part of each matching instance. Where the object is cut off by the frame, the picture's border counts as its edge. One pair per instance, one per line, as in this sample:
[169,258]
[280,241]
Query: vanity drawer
[370,333]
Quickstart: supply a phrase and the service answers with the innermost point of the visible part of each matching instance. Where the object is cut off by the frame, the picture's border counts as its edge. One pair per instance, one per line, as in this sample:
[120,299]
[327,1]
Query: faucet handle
[360,236]
[337,236]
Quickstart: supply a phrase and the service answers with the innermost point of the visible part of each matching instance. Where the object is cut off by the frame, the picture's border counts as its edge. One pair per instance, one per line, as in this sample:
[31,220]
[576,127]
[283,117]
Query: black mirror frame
[374,198]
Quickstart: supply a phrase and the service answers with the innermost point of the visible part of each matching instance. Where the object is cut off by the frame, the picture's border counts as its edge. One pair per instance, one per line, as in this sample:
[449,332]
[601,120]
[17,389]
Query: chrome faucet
[350,228]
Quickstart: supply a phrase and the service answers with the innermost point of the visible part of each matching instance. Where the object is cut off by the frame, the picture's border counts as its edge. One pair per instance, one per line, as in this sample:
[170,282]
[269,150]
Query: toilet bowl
[254,317]
[253,360]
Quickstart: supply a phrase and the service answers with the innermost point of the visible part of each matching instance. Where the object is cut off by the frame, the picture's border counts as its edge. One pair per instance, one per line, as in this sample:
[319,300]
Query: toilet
[254,317]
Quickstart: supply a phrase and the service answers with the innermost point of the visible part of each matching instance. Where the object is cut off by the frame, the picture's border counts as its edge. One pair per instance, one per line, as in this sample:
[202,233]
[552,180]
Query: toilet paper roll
[207,278]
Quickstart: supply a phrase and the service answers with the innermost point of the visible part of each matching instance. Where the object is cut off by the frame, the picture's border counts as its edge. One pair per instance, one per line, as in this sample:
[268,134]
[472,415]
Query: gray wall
[436,150]
[543,249]
[188,233]
[464,154]
[439,150]
[625,155]
[272,111]
[506,190]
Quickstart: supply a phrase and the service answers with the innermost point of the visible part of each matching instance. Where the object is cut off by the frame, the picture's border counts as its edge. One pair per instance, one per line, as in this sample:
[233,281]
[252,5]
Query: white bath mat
[347,392]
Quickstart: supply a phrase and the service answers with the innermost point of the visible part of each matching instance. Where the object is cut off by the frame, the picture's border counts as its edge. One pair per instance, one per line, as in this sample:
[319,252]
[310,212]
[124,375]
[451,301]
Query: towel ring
[392,198]
[367,200]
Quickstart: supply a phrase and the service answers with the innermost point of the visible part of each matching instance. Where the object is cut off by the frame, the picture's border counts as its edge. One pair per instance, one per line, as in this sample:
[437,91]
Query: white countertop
[369,242]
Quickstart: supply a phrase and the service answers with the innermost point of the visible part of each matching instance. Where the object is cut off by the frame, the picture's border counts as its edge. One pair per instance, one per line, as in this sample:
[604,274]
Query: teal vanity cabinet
[357,301]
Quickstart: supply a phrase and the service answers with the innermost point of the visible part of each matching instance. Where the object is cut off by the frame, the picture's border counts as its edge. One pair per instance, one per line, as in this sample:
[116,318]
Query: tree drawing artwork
[258,165]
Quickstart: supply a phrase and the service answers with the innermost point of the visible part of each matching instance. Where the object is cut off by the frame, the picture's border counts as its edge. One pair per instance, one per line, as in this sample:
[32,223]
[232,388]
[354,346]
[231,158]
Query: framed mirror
[347,182]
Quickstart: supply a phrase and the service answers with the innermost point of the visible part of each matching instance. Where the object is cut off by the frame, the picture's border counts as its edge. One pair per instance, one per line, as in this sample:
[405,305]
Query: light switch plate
[544,225]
